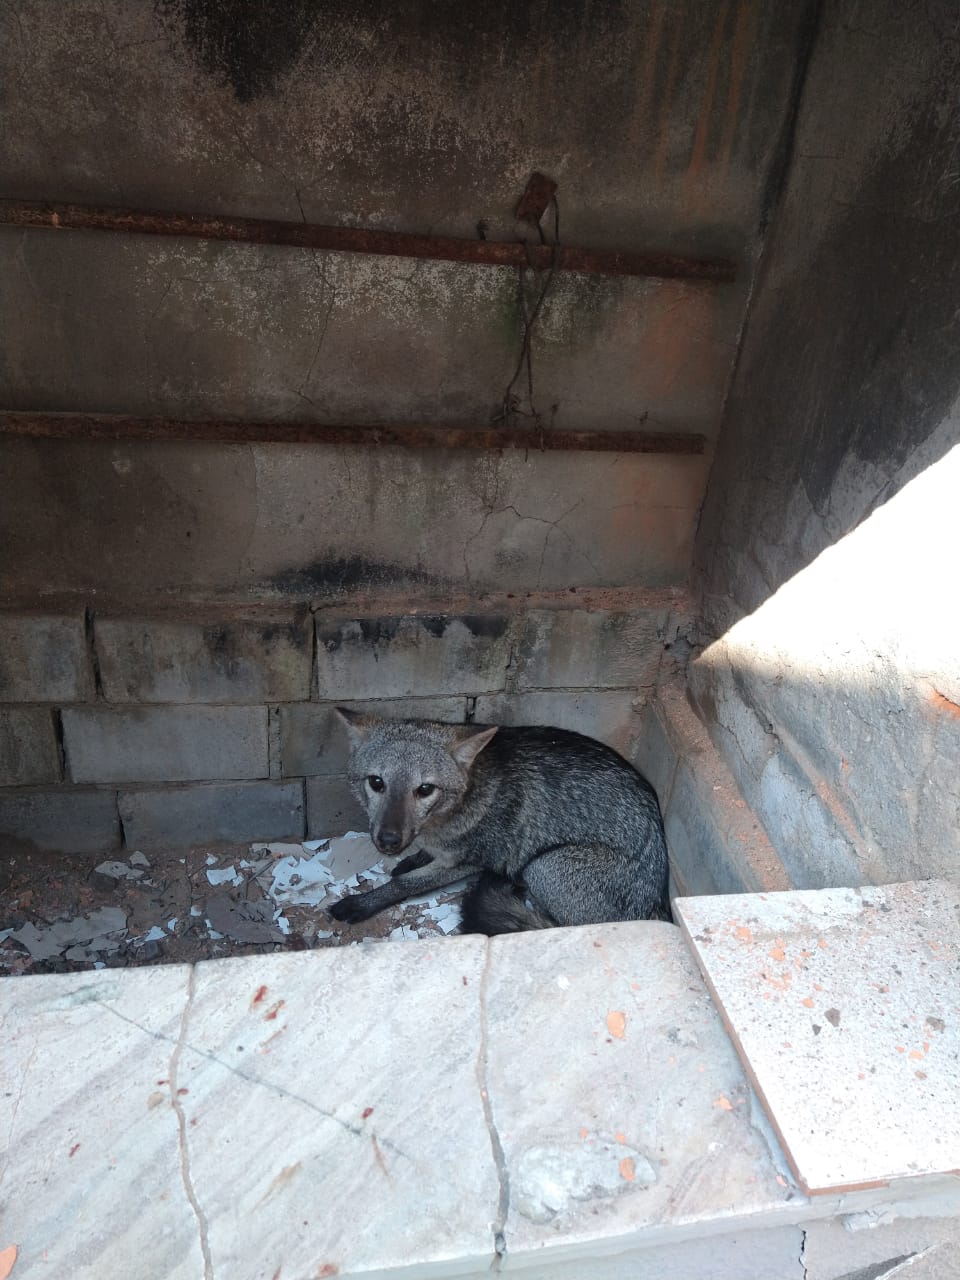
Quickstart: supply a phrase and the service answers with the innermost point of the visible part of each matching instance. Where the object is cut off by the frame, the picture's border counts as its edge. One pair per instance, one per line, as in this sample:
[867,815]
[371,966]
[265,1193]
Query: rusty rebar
[109,426]
[404,244]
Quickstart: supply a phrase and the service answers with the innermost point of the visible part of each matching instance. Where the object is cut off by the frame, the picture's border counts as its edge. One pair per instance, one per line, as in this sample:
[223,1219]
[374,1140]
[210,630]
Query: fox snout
[393,828]
[389,840]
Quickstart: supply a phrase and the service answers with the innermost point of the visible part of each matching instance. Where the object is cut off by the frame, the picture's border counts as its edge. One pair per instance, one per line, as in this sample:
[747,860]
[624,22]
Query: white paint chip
[154,934]
[228,875]
[118,871]
[299,881]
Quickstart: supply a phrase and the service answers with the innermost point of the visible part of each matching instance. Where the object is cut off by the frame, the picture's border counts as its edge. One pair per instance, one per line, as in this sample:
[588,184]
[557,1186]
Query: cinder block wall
[150,732]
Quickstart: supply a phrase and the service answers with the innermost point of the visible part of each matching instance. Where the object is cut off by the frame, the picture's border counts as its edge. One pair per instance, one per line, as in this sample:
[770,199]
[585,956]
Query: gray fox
[545,815]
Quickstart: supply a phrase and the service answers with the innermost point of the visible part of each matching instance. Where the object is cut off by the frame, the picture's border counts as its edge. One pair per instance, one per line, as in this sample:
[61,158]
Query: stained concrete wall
[825,553]
[665,127]
[131,523]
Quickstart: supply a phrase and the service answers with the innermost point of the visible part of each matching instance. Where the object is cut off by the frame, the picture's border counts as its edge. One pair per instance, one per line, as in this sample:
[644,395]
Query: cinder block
[238,660]
[608,716]
[68,820]
[313,741]
[44,659]
[28,747]
[412,657]
[332,808]
[590,649]
[212,814]
[165,744]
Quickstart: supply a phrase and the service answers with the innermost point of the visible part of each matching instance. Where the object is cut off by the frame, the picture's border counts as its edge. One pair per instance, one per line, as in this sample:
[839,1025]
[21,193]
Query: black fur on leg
[494,905]
[352,909]
[412,862]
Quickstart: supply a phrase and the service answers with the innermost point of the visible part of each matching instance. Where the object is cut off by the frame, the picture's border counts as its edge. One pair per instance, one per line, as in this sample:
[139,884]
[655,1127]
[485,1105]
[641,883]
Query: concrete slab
[566,1100]
[617,1097]
[250,1118]
[92,1183]
[331,1130]
[845,1007]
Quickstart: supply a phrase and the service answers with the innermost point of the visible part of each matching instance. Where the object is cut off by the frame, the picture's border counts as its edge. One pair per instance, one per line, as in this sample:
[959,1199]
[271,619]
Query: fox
[560,828]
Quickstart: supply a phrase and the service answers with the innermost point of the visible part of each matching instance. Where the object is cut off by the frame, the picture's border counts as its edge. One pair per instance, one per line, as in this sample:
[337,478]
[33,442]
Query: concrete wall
[129,523]
[663,126]
[160,598]
[417,120]
[825,556]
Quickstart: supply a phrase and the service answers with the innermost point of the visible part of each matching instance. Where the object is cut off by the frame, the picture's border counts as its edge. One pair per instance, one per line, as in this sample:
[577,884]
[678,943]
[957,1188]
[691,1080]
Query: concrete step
[564,1103]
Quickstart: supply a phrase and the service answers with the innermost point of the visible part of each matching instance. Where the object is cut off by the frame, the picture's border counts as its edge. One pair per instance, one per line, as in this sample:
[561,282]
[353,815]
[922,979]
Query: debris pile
[264,897]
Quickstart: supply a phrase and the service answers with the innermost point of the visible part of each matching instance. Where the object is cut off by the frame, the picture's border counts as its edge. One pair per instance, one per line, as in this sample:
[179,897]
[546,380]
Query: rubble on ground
[60,913]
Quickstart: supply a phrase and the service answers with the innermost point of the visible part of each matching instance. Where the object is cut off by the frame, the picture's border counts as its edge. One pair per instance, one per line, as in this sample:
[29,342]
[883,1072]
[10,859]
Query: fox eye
[426,789]
[375,783]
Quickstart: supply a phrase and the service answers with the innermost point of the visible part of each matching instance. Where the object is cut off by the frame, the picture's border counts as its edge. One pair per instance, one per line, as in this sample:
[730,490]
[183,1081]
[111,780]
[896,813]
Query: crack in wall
[184,1149]
[496,1147]
[553,526]
[324,324]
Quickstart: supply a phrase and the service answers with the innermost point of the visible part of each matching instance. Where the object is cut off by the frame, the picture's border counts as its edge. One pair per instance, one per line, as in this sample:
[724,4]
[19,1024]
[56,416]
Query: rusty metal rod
[110,426]
[403,244]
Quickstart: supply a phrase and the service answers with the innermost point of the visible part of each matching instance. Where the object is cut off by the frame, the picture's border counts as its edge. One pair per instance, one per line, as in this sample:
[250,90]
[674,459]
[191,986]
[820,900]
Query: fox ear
[466,750]
[357,725]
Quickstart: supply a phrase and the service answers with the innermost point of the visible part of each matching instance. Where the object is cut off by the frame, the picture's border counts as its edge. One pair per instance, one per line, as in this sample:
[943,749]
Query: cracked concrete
[496,1146]
[441,1086]
[367,1112]
[299,517]
[175,1101]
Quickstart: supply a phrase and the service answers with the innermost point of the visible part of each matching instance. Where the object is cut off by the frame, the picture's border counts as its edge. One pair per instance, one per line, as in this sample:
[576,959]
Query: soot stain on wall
[864,336]
[897,313]
[250,44]
[349,573]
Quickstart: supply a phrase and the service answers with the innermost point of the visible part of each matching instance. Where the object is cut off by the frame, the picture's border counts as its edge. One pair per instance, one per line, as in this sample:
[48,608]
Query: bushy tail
[494,905]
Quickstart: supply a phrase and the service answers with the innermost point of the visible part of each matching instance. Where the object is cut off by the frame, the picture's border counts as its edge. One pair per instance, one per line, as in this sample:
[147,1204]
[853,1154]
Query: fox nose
[390,840]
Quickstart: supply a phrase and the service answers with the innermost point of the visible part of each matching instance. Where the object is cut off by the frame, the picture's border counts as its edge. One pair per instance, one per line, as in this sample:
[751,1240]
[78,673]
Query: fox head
[408,774]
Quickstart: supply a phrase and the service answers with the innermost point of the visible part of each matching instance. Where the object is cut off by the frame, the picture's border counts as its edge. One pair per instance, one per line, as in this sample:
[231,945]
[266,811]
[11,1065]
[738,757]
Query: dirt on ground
[64,913]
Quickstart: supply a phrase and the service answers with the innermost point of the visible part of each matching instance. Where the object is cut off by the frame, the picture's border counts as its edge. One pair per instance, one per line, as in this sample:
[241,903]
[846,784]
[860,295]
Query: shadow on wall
[849,360]
[837,702]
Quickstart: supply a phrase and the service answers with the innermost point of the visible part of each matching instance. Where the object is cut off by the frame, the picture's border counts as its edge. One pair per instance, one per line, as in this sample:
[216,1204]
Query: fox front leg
[410,863]
[361,906]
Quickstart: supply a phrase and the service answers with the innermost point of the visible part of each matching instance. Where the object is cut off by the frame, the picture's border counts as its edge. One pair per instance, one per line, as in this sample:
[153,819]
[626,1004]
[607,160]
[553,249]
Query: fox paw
[351,909]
